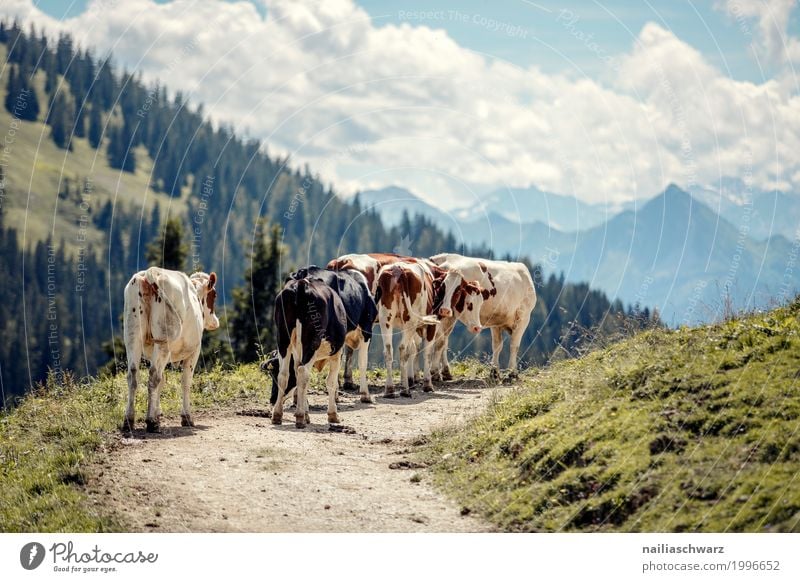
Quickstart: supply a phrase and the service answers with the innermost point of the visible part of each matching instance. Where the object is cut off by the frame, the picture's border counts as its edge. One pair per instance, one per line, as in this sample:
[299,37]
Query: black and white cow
[313,301]
[360,307]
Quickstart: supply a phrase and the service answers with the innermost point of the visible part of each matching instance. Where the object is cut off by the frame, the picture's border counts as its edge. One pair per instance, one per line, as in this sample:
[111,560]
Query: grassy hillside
[687,430]
[48,441]
[36,169]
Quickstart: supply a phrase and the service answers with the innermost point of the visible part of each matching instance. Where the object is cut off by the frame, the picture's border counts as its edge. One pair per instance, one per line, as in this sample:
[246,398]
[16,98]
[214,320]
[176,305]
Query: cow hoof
[299,421]
[446,375]
[411,382]
[186,420]
[405,393]
[128,424]
[333,418]
[349,386]
[277,418]
[427,388]
[367,399]
[494,374]
[152,426]
[389,394]
[436,377]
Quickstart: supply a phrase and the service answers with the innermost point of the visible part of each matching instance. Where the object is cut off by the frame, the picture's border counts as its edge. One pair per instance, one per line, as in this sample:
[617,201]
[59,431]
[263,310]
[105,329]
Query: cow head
[204,285]
[467,302]
[462,298]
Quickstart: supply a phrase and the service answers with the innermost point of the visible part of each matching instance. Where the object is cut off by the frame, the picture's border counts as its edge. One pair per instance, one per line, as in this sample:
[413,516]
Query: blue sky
[608,101]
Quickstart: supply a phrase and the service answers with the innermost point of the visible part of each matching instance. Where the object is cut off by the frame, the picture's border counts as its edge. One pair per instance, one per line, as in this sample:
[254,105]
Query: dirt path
[241,473]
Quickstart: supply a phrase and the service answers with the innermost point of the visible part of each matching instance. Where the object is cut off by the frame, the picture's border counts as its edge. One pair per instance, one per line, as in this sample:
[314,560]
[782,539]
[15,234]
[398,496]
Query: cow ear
[474,288]
[212,280]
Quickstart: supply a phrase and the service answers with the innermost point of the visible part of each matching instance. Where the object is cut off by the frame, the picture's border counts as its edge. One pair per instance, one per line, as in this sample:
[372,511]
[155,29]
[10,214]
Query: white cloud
[771,18]
[368,104]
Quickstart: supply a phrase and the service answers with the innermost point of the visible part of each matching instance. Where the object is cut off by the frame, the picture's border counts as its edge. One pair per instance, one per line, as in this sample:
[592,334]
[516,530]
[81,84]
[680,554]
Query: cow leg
[497,347]
[134,357]
[445,364]
[405,356]
[333,377]
[436,363]
[363,355]
[413,368]
[441,367]
[157,365]
[186,385]
[283,382]
[388,354]
[301,411]
[348,369]
[427,352]
[516,340]
[159,415]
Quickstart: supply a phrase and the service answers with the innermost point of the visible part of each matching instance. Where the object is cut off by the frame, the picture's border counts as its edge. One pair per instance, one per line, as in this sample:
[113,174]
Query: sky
[608,101]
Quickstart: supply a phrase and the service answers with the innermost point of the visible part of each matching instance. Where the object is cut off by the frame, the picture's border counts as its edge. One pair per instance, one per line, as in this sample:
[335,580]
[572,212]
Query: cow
[509,299]
[353,289]
[311,323]
[368,265]
[409,298]
[165,315]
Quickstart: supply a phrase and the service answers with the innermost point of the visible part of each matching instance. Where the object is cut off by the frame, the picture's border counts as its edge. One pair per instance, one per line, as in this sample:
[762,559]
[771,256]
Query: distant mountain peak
[673,191]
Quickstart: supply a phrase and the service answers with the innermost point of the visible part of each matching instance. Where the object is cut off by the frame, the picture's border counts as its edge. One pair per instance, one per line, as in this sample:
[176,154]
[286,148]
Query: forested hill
[95,163]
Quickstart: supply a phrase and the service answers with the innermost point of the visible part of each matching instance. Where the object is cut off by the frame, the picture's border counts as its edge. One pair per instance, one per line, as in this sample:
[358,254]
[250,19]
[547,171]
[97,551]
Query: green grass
[687,430]
[48,441]
[672,430]
[36,169]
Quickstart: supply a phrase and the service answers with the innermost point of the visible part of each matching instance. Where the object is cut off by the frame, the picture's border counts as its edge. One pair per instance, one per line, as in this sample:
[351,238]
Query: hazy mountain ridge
[674,251]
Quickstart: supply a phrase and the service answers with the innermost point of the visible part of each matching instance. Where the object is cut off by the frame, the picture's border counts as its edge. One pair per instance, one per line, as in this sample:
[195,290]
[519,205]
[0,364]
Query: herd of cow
[321,313]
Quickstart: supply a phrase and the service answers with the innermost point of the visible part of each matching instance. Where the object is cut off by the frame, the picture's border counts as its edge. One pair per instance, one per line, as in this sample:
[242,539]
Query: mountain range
[694,255]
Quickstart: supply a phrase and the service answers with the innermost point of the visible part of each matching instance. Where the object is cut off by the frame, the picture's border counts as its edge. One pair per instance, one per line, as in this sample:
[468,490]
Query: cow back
[353,291]
[164,296]
[319,310]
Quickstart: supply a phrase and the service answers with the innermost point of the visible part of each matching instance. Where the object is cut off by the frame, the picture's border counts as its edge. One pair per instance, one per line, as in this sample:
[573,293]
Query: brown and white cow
[409,299]
[405,295]
[368,265]
[444,284]
[165,315]
[509,299]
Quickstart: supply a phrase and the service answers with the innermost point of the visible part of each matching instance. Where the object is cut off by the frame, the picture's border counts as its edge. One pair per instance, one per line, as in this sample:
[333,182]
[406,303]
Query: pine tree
[95,126]
[61,121]
[251,326]
[21,100]
[169,250]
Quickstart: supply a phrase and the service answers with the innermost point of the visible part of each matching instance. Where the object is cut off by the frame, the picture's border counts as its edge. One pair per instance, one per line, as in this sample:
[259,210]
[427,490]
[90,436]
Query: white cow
[165,315]
[509,299]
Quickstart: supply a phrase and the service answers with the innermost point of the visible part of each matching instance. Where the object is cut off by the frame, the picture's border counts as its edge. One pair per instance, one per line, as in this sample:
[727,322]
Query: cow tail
[301,298]
[151,275]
